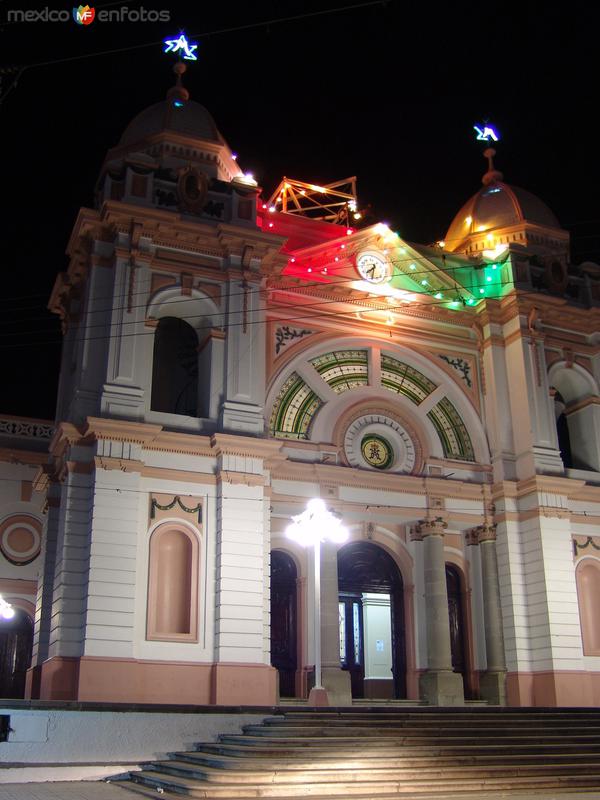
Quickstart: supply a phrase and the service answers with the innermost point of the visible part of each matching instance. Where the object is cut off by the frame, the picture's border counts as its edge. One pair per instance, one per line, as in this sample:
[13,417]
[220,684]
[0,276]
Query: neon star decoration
[182,46]
[486,133]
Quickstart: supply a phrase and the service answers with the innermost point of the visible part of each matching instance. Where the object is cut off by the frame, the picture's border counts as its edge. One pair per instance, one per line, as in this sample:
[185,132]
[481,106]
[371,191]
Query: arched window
[562,430]
[175,368]
[588,592]
[173,584]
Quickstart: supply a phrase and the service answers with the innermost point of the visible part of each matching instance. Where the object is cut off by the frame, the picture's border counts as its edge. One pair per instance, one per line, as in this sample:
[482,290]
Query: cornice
[367,479]
[122,430]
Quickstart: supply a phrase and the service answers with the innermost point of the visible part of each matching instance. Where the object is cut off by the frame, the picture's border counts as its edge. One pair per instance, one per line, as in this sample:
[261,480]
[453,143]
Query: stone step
[369,788]
[432,725]
[355,732]
[335,763]
[374,773]
[377,749]
[421,716]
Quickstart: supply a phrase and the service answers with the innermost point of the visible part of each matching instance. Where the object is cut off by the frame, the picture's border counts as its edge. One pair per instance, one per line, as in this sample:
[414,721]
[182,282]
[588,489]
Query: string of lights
[302,318]
[395,262]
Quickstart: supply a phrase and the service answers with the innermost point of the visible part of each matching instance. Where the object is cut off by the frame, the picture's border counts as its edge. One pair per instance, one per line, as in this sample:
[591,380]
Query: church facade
[227,358]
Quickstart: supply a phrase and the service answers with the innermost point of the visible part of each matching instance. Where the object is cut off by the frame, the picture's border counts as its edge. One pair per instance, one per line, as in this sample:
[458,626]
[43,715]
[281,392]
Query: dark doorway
[455,613]
[16,640]
[284,641]
[364,568]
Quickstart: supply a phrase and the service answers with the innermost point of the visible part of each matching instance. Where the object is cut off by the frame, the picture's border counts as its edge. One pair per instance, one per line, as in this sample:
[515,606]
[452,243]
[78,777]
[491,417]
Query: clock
[373,267]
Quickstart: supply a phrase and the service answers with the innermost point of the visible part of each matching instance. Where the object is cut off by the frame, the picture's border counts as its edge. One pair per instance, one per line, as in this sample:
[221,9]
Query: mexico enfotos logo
[85,15]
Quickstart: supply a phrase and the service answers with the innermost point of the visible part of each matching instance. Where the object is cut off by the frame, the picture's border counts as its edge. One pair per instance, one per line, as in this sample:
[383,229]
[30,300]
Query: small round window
[376,451]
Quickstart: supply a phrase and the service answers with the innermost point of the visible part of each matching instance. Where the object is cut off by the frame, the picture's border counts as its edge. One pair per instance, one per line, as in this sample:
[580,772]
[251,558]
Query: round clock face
[373,268]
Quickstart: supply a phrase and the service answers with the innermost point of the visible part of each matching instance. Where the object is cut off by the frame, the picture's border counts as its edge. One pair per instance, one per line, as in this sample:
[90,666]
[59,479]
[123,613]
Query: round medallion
[20,539]
[376,451]
[375,440]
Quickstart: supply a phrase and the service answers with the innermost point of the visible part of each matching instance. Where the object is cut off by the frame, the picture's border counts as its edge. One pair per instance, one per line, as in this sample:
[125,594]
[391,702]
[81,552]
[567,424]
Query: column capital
[472,536]
[431,527]
[486,533]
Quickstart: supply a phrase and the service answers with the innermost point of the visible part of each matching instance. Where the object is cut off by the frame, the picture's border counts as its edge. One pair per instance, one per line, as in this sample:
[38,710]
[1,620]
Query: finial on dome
[178,93]
[492,175]
[185,50]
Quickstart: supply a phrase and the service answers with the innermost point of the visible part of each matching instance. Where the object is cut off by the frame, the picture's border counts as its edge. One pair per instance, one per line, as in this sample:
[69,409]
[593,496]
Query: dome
[498,205]
[188,119]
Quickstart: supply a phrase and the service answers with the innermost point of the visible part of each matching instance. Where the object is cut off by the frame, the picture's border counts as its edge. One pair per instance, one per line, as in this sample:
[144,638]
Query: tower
[156,558]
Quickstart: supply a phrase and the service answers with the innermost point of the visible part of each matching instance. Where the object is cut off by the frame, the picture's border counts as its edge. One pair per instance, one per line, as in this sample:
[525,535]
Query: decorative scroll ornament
[285,334]
[176,501]
[460,365]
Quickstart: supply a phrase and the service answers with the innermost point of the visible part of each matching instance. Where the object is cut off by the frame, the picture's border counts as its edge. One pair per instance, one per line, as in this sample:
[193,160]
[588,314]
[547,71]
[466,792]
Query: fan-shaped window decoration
[343,369]
[402,379]
[455,439]
[294,409]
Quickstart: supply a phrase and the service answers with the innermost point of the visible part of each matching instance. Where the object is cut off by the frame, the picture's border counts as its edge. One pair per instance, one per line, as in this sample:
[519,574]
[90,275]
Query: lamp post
[311,527]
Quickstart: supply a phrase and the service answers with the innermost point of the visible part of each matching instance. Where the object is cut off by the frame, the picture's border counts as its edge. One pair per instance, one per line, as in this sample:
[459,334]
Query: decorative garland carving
[176,501]
[589,541]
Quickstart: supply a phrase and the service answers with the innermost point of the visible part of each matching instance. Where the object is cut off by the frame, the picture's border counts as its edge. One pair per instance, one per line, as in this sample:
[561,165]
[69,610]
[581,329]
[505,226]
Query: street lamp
[311,527]
[6,610]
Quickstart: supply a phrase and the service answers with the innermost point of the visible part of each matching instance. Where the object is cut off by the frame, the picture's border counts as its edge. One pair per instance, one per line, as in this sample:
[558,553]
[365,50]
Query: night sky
[388,92]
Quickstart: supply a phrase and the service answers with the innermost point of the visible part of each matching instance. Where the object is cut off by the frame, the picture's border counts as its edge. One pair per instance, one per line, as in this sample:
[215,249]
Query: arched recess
[372,620]
[577,415]
[285,643]
[173,578]
[318,385]
[16,643]
[588,592]
[187,352]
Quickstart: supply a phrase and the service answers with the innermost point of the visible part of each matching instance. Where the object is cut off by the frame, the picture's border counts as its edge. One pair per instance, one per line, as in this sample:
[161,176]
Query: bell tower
[159,449]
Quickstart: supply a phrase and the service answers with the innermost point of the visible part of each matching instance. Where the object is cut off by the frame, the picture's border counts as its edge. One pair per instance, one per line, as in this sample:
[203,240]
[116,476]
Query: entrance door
[455,613]
[352,655]
[369,581]
[283,621]
[16,640]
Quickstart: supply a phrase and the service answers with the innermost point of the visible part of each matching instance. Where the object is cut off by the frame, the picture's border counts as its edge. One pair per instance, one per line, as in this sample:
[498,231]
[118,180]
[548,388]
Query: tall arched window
[588,592]
[173,584]
[175,368]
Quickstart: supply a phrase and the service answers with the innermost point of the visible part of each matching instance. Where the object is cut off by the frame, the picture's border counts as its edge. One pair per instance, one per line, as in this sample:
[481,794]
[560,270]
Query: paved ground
[94,790]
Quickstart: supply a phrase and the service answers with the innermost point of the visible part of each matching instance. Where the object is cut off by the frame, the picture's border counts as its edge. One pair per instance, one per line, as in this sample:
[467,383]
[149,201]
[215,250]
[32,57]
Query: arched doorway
[372,639]
[457,625]
[284,627]
[16,641]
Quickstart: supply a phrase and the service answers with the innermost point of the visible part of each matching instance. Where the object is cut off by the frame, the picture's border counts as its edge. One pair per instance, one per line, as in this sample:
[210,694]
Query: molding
[18,586]
[13,455]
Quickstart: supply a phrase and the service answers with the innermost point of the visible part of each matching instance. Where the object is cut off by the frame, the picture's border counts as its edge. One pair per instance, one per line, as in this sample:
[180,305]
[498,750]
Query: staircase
[388,752]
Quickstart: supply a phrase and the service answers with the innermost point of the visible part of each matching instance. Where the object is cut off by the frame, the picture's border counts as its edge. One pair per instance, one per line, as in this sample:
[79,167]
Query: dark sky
[387,92]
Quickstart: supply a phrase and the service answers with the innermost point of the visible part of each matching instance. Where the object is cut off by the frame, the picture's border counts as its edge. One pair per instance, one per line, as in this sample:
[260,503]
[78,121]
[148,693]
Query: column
[439,685]
[493,682]
[335,680]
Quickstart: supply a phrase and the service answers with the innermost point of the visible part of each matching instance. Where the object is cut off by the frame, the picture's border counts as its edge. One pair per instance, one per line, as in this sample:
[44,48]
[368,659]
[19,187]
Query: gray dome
[190,119]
